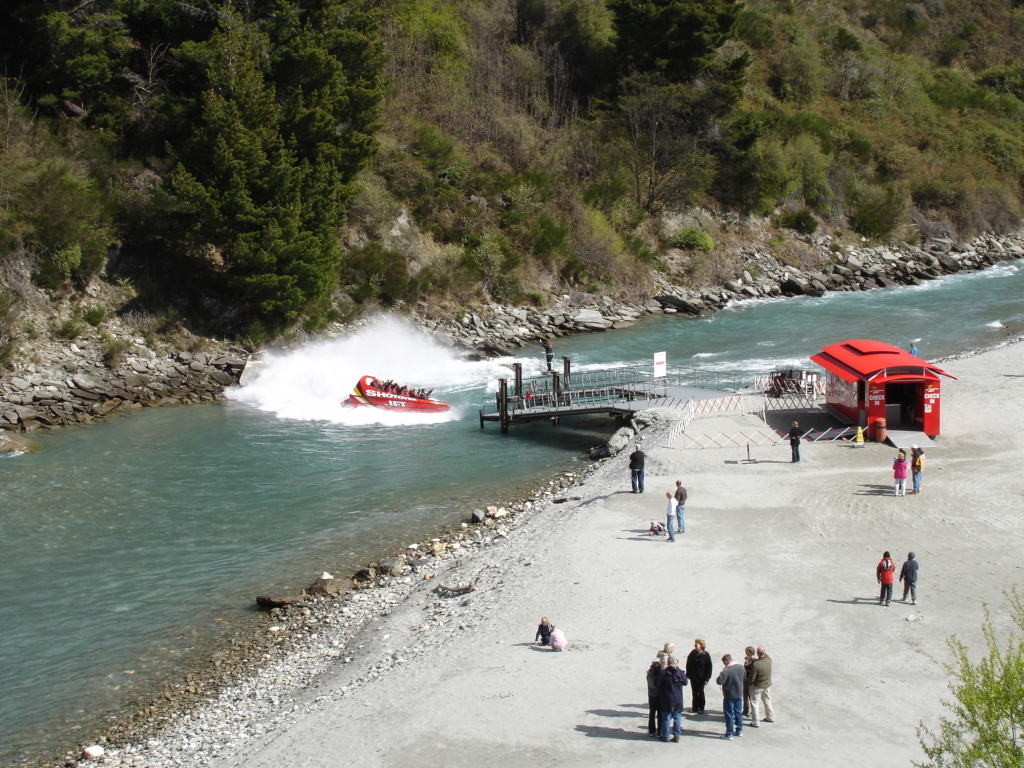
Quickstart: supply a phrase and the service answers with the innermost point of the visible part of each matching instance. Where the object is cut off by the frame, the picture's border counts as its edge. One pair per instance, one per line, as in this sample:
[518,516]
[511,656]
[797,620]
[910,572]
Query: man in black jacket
[698,670]
[908,575]
[636,469]
[670,699]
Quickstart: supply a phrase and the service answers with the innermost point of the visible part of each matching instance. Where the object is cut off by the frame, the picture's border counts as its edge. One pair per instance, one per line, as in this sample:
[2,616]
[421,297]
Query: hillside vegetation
[252,166]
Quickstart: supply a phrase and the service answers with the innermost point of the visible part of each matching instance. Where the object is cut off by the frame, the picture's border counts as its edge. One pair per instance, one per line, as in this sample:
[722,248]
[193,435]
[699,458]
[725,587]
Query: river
[130,548]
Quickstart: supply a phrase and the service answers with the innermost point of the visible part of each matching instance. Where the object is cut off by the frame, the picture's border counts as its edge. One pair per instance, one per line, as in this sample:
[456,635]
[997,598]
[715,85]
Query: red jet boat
[371,392]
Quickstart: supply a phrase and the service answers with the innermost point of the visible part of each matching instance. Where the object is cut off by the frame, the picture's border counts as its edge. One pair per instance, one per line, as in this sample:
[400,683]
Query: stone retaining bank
[498,330]
[72,384]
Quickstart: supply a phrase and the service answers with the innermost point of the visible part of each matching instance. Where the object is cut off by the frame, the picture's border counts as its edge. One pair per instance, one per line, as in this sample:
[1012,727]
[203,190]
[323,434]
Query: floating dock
[617,392]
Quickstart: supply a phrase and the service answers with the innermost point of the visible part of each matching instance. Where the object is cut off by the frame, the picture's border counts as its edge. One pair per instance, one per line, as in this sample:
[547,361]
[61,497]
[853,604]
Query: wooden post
[503,404]
[518,368]
[556,387]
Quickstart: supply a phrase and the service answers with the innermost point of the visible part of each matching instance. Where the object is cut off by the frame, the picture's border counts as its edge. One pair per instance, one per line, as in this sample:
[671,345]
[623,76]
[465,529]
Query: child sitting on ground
[657,528]
[558,641]
[543,635]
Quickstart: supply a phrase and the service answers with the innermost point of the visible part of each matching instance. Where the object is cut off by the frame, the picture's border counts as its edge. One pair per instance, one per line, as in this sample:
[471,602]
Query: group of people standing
[885,573]
[746,689]
[902,467]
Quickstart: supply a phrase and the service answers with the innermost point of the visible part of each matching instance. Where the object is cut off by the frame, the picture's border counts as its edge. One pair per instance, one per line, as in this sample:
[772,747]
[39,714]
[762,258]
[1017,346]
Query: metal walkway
[905,438]
[613,391]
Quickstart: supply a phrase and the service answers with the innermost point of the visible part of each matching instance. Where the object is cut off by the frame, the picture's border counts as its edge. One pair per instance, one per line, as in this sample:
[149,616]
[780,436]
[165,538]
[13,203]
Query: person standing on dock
[794,442]
[680,497]
[549,353]
[636,470]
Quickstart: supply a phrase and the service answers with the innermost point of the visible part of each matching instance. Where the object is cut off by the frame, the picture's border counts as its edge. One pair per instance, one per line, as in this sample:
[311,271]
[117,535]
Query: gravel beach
[775,554]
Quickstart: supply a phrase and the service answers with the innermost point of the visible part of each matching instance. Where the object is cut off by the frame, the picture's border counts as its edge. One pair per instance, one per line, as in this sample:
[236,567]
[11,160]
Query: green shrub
[94,316]
[754,28]
[801,220]
[113,350]
[8,320]
[877,211]
[536,298]
[54,269]
[69,329]
[547,236]
[374,272]
[692,240]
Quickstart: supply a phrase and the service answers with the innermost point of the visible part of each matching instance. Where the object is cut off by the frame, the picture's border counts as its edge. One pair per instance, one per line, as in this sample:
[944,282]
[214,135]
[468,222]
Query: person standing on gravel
[761,688]
[916,466]
[670,515]
[636,469]
[731,680]
[885,572]
[908,575]
[681,505]
[698,670]
[794,442]
[670,699]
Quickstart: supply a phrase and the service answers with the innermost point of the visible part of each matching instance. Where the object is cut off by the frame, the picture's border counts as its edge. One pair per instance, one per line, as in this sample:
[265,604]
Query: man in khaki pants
[761,688]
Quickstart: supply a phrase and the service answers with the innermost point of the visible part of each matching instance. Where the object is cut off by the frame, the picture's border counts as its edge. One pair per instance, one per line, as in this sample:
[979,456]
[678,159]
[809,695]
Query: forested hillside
[252,166]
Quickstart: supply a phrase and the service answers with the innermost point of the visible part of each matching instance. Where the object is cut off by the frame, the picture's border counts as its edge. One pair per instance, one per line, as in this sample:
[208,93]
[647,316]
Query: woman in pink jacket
[900,469]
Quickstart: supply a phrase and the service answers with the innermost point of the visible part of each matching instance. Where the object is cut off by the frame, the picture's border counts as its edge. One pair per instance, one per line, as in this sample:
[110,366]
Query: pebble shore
[272,676]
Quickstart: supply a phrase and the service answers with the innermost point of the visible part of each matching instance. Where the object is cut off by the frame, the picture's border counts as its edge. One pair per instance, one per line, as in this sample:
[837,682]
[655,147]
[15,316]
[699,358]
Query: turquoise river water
[130,547]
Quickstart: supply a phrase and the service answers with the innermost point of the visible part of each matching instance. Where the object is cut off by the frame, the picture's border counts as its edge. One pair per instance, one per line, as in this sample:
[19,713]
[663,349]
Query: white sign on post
[659,365]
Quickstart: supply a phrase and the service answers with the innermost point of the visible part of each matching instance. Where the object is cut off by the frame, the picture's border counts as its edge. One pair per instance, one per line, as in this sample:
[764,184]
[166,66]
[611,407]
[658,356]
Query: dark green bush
[374,272]
[8,323]
[754,28]
[801,220]
[547,236]
[877,211]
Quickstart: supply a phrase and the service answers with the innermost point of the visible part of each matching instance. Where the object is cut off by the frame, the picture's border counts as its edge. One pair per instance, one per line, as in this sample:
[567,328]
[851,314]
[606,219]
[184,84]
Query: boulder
[394,566]
[267,602]
[477,516]
[591,320]
[325,586]
[690,306]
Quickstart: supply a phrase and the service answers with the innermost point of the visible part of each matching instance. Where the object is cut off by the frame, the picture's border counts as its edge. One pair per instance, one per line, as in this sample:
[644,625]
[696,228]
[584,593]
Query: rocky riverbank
[271,676]
[103,373]
[498,329]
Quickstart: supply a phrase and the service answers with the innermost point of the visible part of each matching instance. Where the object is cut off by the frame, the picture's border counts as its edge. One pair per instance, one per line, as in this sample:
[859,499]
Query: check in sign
[659,364]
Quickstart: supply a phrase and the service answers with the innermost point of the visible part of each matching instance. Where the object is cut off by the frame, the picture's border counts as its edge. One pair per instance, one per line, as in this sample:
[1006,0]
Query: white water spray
[309,383]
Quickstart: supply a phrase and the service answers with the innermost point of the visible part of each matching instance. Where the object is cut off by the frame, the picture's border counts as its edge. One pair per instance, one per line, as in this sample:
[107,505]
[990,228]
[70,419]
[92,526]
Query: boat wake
[311,382]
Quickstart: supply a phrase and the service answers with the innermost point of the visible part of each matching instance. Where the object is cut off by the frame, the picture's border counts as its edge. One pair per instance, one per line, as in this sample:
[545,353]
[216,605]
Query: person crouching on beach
[543,636]
[558,641]
[899,473]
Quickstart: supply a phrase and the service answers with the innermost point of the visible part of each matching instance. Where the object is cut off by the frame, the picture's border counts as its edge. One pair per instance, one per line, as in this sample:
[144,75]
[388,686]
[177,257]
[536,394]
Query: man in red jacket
[885,572]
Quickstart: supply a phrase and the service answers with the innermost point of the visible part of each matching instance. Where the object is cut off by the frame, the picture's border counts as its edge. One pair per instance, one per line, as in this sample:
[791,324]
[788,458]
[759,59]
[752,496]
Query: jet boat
[373,393]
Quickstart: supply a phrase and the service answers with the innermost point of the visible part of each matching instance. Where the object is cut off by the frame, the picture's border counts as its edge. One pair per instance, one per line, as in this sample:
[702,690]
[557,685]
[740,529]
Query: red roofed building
[867,381]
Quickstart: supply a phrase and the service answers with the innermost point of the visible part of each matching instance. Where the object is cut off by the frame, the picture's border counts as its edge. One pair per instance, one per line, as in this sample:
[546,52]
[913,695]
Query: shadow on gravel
[601,732]
[856,601]
[874,490]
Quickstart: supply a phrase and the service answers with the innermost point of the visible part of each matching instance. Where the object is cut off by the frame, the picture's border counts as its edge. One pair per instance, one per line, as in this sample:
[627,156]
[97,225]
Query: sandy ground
[776,554]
